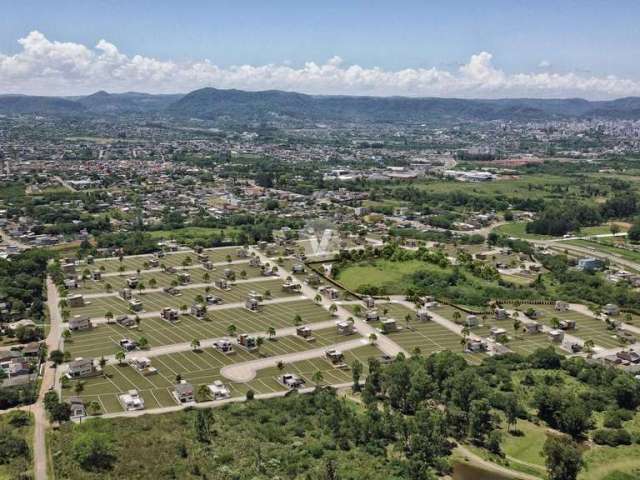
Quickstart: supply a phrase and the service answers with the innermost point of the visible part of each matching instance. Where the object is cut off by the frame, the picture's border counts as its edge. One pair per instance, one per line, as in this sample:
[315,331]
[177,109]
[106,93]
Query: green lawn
[393,276]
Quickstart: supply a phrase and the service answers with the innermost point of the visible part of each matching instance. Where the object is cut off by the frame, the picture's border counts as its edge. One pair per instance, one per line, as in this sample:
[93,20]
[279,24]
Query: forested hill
[243,106]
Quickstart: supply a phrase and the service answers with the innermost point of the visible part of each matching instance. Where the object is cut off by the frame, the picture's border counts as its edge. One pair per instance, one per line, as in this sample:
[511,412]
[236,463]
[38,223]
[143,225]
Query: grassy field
[104,339]
[393,276]
[11,468]
[518,229]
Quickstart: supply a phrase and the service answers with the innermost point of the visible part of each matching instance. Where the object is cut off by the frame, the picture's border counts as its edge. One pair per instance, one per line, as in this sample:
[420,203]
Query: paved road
[246,371]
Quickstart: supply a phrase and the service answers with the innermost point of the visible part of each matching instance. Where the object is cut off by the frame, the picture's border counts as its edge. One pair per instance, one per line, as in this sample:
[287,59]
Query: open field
[103,339]
[518,229]
[203,368]
[191,233]
[392,276]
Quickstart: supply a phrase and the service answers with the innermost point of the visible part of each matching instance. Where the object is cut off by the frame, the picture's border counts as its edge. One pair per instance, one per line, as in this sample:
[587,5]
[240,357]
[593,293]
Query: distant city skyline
[466,49]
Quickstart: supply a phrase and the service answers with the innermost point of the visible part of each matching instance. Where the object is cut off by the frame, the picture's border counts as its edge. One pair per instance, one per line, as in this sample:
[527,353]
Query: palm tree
[143,342]
[555,322]
[232,329]
[588,346]
[121,269]
[141,287]
[516,324]
[280,365]
[145,265]
[120,356]
[317,298]
[198,299]
[457,316]
[195,344]
[259,341]
[243,274]
[108,316]
[66,334]
[153,282]
[267,293]
[297,320]
[228,258]
[108,287]
[78,387]
[204,392]
[102,362]
[62,304]
[271,332]
[373,338]
[357,310]
[206,277]
[317,378]
[407,319]
[333,309]
[65,315]
[183,308]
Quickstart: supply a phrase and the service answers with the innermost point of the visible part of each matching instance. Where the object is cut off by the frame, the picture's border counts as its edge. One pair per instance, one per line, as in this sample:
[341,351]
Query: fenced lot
[164,279]
[104,339]
[203,368]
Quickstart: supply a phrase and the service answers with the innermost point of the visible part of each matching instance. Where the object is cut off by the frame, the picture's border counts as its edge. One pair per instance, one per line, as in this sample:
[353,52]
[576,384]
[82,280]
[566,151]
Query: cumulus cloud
[47,67]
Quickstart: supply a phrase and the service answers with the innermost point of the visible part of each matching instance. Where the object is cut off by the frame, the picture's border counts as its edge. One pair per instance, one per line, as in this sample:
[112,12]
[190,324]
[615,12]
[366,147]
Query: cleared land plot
[104,339]
[203,368]
[97,307]
[587,328]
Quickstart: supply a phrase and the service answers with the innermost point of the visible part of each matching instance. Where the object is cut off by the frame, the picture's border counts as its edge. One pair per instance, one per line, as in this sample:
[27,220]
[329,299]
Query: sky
[454,48]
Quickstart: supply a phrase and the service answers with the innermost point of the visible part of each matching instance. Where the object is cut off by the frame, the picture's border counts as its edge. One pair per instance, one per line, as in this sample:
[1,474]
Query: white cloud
[544,64]
[50,67]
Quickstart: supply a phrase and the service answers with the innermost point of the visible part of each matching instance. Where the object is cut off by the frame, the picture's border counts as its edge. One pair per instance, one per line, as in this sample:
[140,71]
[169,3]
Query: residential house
[183,392]
[80,322]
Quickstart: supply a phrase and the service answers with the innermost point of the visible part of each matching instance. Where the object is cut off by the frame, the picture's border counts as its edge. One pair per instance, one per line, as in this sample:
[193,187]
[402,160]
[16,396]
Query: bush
[612,437]
[11,447]
[94,451]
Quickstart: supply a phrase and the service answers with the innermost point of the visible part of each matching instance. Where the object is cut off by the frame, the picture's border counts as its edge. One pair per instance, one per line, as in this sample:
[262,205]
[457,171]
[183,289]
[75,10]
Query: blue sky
[587,38]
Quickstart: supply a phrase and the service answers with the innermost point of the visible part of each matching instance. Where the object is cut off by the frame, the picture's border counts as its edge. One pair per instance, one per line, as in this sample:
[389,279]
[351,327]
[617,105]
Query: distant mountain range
[243,106]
